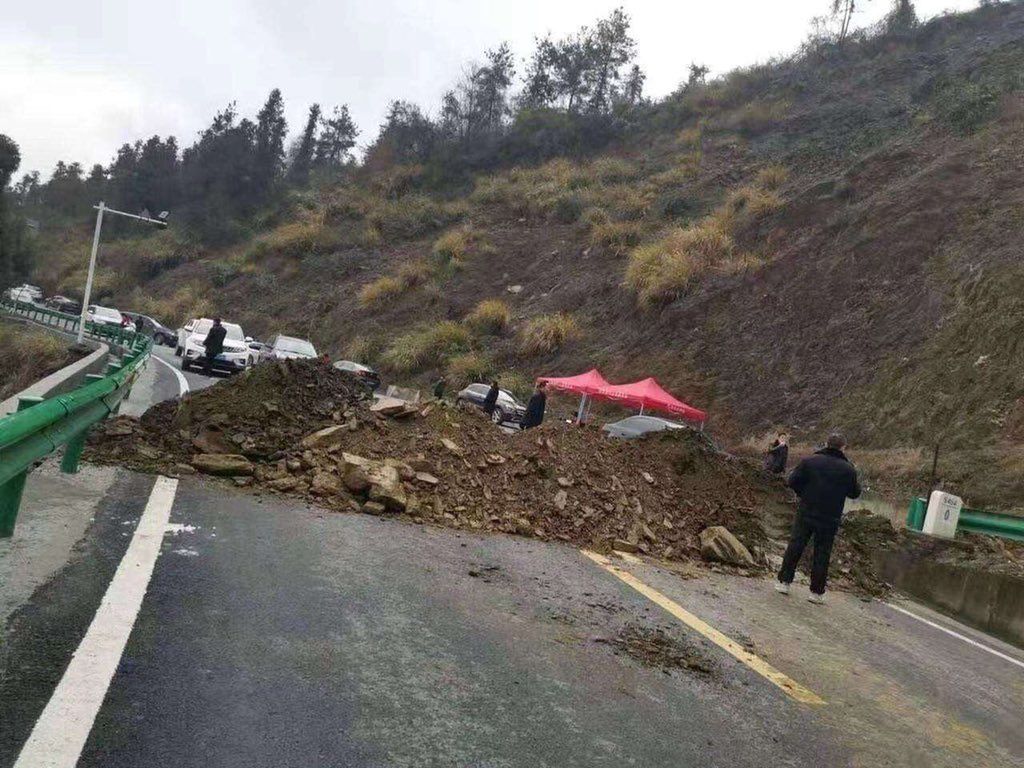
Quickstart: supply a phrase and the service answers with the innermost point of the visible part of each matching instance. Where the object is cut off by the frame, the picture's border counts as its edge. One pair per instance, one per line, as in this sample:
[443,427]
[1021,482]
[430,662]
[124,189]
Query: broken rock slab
[222,464]
[717,543]
[326,437]
[325,484]
[389,406]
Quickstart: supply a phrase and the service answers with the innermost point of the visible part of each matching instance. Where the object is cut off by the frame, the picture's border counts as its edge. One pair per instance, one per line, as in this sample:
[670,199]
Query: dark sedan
[160,333]
[507,410]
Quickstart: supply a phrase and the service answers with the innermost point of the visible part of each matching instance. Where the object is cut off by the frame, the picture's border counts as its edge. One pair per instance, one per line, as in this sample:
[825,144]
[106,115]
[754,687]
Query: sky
[78,79]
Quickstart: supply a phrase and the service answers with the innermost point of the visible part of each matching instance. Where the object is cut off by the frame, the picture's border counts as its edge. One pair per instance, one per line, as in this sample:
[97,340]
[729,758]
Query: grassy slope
[28,355]
[861,292]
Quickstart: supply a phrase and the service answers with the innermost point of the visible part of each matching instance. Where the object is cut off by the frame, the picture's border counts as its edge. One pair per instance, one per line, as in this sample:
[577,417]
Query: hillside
[833,240]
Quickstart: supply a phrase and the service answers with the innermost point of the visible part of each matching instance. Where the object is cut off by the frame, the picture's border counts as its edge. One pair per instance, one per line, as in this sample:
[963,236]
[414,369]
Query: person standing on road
[534,415]
[213,344]
[491,400]
[823,482]
[778,454]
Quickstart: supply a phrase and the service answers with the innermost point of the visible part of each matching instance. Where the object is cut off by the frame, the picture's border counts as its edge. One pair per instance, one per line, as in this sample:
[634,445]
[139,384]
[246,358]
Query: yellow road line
[629,558]
[763,668]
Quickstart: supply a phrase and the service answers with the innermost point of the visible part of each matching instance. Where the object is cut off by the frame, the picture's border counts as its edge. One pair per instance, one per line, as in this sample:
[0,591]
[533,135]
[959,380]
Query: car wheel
[185,364]
[177,351]
[498,416]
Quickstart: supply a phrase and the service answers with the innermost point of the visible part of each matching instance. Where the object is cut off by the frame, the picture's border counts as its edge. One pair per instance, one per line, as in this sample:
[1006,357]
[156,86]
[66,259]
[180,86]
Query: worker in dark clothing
[439,387]
[138,324]
[213,344]
[534,415]
[778,455]
[491,399]
[823,482]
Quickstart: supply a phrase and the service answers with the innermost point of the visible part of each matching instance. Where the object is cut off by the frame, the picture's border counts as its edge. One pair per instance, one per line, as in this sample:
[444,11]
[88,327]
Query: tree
[633,86]
[540,90]
[489,87]
[902,17]
[268,158]
[570,63]
[303,149]
[406,136]
[842,13]
[15,252]
[698,75]
[337,137]
[610,47]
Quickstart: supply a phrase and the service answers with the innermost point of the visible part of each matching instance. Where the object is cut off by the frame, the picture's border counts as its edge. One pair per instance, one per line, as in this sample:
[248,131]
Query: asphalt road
[276,634]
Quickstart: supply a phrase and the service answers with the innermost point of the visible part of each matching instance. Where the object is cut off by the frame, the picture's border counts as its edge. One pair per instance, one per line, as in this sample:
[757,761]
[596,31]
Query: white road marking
[182,381]
[61,731]
[957,635]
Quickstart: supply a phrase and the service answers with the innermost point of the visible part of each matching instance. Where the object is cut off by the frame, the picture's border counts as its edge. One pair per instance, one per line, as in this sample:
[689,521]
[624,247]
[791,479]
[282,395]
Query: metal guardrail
[972,520]
[41,426]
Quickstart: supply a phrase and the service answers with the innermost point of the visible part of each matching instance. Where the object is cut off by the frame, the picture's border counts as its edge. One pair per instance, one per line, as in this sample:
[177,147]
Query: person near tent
[491,400]
[534,415]
[777,455]
[823,482]
[213,344]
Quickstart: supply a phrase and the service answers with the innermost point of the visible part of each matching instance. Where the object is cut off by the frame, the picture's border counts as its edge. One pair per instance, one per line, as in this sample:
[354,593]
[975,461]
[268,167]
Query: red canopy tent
[583,384]
[648,393]
[588,383]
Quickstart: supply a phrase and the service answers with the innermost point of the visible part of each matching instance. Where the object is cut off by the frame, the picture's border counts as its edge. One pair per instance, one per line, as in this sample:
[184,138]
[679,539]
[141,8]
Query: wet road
[265,632]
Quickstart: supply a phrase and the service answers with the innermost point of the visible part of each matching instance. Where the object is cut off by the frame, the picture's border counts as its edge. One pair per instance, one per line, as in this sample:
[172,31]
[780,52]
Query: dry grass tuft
[425,347]
[490,316]
[546,333]
[661,271]
[771,176]
[469,367]
[381,291]
[617,236]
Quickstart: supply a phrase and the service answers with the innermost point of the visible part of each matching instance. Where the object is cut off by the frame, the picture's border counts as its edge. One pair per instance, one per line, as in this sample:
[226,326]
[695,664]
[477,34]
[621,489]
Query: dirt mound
[306,429]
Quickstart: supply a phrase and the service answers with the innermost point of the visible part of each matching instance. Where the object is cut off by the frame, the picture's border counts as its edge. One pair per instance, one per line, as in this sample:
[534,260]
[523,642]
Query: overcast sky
[78,79]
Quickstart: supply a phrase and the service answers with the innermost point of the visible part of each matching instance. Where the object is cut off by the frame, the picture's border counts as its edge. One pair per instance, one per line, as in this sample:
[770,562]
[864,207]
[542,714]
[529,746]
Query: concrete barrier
[992,602]
[67,378]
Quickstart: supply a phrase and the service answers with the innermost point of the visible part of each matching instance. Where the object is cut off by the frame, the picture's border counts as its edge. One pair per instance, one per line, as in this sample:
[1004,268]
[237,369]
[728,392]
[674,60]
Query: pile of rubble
[305,429]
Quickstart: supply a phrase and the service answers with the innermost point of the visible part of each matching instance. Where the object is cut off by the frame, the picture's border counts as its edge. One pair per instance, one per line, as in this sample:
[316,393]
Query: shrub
[567,209]
[490,316]
[546,333]
[771,176]
[452,246]
[425,347]
[594,216]
[364,349]
[966,106]
[610,170]
[616,236]
[515,382]
[690,137]
[469,367]
[744,205]
[222,273]
[662,270]
[296,239]
[756,117]
[413,216]
[413,273]
[381,291]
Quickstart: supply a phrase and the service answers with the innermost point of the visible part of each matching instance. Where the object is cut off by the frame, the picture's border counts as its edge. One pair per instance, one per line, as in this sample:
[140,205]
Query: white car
[26,293]
[288,348]
[236,355]
[638,426]
[103,315]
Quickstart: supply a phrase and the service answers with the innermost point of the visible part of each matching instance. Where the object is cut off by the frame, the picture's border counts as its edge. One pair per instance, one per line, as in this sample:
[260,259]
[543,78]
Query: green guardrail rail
[41,426]
[972,520]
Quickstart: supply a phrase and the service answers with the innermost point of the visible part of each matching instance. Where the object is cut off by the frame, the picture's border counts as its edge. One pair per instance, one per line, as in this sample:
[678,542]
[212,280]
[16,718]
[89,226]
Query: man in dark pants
[213,344]
[823,482]
[534,415]
[491,399]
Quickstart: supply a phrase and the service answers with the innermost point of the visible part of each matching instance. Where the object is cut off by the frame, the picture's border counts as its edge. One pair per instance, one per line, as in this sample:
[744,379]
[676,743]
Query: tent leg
[641,409]
[579,412]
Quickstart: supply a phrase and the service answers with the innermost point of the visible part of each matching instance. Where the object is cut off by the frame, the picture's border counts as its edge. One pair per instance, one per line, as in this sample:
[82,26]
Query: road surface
[259,631]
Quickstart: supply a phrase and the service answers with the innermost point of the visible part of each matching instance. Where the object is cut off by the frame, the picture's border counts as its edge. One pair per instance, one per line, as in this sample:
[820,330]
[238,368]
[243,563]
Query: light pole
[160,221]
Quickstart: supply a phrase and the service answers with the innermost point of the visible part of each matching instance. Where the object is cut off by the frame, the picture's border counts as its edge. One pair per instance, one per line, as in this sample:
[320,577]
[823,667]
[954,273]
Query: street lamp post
[160,221]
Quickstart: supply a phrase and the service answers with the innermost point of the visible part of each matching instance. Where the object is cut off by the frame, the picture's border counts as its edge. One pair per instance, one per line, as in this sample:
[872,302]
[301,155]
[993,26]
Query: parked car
[103,315]
[507,410]
[156,330]
[638,426]
[259,349]
[64,304]
[236,355]
[289,348]
[363,372]
[29,294]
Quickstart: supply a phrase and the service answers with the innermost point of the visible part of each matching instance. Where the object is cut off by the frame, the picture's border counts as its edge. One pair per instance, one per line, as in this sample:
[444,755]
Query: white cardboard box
[943,515]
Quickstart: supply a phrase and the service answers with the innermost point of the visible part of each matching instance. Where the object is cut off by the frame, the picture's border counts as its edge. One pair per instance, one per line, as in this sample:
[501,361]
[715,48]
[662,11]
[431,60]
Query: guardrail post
[10,492]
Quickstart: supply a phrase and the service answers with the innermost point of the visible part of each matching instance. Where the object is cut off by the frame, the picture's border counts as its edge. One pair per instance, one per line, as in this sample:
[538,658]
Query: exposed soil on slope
[28,355]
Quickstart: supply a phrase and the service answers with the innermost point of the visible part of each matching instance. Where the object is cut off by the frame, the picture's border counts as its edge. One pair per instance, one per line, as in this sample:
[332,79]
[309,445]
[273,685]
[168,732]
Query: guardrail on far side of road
[42,425]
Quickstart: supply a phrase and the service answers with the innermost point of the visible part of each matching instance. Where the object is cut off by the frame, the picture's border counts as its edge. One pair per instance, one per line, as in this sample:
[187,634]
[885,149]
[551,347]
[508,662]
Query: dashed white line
[957,635]
[60,733]
[182,381]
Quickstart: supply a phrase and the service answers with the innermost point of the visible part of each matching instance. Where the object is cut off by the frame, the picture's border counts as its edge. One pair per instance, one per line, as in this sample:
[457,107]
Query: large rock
[223,464]
[212,440]
[386,487]
[389,406]
[718,543]
[325,437]
[355,478]
[325,484]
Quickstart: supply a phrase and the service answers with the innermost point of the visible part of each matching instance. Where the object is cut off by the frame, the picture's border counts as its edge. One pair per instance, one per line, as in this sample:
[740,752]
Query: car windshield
[295,346]
[234,332]
[506,397]
[107,312]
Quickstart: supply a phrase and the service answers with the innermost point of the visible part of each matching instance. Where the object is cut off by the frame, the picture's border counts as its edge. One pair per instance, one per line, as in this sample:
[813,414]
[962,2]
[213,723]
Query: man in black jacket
[213,344]
[823,482]
[778,454]
[491,400]
[534,415]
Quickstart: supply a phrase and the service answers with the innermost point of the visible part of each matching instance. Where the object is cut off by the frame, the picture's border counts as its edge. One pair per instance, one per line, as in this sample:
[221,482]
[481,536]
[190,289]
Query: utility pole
[160,221]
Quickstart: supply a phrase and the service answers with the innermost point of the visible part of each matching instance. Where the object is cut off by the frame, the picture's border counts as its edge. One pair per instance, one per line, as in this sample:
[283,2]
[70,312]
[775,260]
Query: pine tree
[268,160]
[302,156]
[337,137]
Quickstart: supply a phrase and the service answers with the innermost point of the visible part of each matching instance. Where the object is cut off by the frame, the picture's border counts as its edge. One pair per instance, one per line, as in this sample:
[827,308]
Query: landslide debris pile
[306,429]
